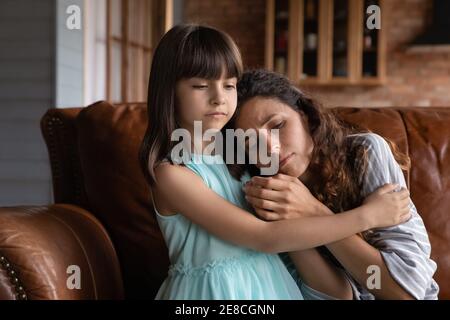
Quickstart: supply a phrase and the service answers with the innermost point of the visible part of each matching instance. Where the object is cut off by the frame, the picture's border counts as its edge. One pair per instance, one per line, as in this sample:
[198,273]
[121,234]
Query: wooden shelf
[337,49]
[341,81]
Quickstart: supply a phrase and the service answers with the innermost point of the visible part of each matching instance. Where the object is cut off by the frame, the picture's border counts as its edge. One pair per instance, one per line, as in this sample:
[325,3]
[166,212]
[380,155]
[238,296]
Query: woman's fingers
[262,203]
[267,215]
[285,177]
[263,193]
[270,183]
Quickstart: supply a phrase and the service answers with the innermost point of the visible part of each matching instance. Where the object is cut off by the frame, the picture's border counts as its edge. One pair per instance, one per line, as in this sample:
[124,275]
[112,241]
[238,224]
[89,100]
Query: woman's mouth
[285,160]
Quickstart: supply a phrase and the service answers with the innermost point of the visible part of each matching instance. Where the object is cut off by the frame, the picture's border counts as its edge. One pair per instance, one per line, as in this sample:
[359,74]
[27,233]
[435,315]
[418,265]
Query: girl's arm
[180,190]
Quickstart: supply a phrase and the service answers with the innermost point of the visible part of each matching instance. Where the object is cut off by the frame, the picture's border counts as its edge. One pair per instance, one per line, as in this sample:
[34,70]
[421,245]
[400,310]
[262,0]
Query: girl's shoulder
[171,178]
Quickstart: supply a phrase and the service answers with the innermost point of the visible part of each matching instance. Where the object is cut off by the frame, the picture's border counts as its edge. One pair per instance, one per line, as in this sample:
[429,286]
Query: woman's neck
[310,177]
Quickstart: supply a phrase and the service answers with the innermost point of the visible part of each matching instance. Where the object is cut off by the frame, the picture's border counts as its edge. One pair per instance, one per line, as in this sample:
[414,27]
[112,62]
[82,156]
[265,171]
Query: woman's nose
[272,142]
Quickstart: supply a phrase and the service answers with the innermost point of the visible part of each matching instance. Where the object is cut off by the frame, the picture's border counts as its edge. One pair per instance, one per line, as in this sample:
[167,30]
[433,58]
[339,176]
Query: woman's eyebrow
[268,119]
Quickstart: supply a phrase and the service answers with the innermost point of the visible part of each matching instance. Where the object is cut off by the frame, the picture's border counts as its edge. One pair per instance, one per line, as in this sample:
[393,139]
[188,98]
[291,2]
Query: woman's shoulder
[376,147]
[369,140]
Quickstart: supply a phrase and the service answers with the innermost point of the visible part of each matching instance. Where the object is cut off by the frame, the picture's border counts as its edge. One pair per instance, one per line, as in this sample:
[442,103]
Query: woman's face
[295,145]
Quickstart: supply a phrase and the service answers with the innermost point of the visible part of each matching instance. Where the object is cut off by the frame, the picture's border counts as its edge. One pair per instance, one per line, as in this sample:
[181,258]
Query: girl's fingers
[387,188]
[405,217]
[404,193]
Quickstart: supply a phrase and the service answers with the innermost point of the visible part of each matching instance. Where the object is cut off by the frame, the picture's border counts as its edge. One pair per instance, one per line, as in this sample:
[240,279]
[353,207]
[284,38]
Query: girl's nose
[217,97]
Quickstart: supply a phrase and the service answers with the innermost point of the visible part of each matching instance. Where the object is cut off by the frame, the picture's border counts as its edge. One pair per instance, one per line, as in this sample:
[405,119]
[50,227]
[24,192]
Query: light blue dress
[205,267]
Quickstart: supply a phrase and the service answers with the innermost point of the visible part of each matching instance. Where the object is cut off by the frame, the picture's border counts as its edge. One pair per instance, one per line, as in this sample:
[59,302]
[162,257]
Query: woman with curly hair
[321,156]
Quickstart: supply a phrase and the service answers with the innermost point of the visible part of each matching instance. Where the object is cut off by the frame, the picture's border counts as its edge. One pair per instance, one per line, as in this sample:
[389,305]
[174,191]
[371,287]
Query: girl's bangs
[207,54]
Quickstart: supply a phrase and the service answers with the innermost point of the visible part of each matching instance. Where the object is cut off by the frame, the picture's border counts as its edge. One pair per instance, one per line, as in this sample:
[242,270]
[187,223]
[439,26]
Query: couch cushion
[429,145]
[108,140]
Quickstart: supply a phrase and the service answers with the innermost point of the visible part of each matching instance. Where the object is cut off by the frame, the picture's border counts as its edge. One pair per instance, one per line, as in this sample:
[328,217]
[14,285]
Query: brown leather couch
[103,221]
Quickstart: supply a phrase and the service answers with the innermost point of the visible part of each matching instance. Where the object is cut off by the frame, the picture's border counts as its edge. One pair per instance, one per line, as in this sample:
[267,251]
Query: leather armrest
[46,251]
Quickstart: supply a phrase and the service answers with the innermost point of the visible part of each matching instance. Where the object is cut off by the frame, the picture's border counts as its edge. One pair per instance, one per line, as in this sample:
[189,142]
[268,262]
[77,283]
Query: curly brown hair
[339,163]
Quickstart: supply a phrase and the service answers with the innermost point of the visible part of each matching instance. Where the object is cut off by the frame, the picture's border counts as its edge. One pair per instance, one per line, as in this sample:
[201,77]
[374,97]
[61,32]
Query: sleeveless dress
[204,267]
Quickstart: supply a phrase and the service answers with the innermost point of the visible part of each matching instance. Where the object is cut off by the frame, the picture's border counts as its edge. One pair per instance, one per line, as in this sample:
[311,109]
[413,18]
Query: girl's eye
[199,86]
[230,86]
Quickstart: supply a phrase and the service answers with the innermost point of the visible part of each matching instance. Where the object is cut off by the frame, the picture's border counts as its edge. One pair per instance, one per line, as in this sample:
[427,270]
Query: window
[133,28]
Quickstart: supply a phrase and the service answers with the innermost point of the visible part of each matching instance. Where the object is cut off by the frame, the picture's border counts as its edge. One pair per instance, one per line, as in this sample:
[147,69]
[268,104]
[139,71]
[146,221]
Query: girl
[217,249]
[340,169]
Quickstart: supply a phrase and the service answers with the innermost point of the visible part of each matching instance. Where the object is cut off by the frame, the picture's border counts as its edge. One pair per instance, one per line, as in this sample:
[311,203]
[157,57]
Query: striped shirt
[405,248]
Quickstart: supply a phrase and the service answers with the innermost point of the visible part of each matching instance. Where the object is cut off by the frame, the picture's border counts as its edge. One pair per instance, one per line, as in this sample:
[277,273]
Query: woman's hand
[386,207]
[282,197]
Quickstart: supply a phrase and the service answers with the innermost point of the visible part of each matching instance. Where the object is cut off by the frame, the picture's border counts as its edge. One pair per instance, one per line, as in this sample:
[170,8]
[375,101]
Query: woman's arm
[401,252]
[356,255]
[180,190]
[320,274]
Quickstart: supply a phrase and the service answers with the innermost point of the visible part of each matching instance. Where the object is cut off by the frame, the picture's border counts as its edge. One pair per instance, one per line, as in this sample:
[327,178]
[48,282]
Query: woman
[319,156]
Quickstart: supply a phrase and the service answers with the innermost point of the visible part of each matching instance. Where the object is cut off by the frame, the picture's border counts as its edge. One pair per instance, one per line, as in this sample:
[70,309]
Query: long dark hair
[185,51]
[339,163]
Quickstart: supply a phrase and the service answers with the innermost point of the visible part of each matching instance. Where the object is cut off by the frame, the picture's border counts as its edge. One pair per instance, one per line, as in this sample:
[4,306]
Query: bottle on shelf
[311,41]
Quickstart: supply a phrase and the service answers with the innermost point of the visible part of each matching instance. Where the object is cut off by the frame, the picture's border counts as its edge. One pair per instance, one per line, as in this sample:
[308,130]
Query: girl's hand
[281,197]
[386,207]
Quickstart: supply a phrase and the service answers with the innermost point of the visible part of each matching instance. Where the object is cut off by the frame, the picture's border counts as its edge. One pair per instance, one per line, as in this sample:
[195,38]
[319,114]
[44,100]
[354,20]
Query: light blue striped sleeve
[405,248]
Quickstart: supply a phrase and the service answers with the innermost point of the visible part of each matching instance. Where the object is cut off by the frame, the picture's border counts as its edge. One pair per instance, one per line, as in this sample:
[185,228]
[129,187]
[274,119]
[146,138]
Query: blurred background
[71,53]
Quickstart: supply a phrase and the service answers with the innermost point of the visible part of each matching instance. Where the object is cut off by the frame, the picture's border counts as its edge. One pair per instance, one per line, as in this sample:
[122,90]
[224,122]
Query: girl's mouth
[216,114]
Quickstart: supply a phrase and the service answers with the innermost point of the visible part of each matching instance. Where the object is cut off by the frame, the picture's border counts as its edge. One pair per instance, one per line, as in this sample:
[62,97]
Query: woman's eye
[279,125]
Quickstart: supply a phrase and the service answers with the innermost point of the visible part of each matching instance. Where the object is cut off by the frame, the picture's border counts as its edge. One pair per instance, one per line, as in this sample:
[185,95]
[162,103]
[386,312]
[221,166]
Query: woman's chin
[288,171]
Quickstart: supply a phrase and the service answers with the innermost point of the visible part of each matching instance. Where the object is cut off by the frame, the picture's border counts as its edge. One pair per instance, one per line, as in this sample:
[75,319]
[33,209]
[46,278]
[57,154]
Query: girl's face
[294,146]
[211,101]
